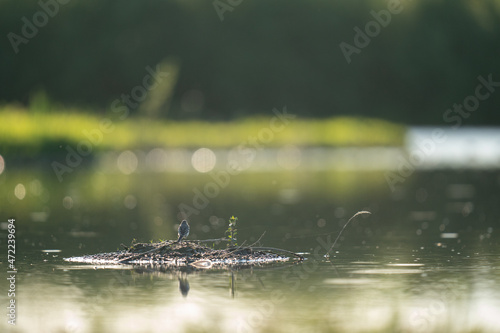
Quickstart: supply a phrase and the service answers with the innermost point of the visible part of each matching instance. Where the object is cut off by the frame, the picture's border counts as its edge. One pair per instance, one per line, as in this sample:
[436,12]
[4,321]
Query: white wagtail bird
[183,230]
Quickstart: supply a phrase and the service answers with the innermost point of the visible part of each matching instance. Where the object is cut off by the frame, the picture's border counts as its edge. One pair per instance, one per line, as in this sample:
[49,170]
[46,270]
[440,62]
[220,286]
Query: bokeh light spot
[240,159]
[158,221]
[289,196]
[203,160]
[20,191]
[2,164]
[156,160]
[127,162]
[68,202]
[130,201]
[321,223]
[36,187]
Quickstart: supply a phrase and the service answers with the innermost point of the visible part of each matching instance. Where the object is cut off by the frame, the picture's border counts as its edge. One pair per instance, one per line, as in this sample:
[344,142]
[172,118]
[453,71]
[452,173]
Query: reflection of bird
[183,230]
[183,286]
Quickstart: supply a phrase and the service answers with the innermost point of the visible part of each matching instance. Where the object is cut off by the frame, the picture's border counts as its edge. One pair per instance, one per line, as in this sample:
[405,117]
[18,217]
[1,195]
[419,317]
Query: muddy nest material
[186,253]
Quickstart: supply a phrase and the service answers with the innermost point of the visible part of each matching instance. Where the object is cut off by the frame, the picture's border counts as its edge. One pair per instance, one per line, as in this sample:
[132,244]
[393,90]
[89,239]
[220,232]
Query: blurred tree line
[232,58]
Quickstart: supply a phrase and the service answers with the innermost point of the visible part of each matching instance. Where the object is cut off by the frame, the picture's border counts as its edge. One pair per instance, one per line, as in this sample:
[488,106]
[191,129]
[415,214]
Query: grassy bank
[42,131]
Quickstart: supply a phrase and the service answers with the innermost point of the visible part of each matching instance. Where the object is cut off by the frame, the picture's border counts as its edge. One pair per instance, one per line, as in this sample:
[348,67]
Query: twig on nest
[274,249]
[345,225]
[136,255]
[212,240]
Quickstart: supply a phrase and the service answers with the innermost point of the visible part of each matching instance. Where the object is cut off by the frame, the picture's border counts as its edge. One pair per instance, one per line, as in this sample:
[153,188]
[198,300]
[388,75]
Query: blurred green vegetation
[34,132]
[263,54]
[97,200]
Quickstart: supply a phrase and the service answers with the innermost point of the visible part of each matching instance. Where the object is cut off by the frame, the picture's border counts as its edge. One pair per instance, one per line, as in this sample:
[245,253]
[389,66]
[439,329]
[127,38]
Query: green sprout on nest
[232,231]
[132,245]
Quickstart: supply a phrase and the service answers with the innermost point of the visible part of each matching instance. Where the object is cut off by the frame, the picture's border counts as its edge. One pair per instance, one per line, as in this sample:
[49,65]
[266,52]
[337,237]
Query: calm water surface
[427,259]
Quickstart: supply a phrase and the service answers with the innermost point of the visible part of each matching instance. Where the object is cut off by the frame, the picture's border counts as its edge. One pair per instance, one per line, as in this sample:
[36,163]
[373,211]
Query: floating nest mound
[187,253]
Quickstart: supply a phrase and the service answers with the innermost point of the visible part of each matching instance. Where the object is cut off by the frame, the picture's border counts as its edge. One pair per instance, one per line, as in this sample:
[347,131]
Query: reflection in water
[467,147]
[399,288]
[183,285]
[426,259]
[232,285]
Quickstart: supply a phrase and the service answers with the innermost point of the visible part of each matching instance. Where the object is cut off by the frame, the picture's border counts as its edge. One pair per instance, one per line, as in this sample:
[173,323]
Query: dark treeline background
[263,54]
